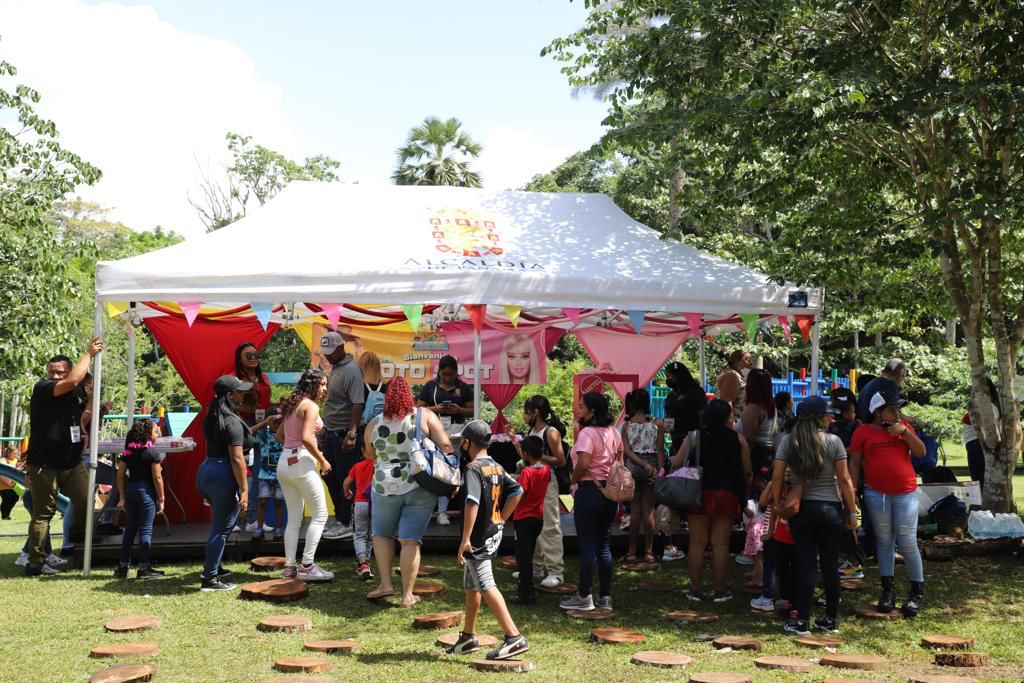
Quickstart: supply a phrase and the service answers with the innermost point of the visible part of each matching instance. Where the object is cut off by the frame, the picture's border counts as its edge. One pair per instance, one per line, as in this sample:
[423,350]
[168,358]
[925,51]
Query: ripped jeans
[894,518]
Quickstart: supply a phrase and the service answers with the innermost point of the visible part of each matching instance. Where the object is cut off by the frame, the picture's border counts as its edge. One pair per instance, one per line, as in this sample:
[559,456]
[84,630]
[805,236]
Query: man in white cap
[342,440]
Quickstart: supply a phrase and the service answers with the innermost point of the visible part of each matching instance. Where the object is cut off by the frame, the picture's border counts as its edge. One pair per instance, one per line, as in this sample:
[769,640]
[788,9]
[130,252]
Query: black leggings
[817,530]
[8,499]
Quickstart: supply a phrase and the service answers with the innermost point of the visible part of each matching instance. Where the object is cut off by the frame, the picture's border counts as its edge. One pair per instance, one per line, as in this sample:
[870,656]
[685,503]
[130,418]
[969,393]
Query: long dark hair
[684,378]
[638,400]
[239,370]
[715,415]
[806,454]
[308,386]
[543,406]
[219,414]
[602,416]
[759,390]
[139,434]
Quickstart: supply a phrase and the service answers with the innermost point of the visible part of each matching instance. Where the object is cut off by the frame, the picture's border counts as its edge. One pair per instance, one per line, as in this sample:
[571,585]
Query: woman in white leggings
[299,477]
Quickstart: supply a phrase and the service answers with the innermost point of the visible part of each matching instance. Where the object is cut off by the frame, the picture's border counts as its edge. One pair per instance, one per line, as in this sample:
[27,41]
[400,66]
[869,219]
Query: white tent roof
[357,244]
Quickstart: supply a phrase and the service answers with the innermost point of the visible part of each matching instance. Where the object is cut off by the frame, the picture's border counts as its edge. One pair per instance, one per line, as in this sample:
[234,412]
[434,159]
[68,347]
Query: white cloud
[140,99]
[512,156]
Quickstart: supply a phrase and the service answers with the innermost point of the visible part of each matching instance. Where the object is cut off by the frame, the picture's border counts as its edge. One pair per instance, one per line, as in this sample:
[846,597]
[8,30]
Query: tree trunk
[878,340]
[951,332]
[856,351]
[675,209]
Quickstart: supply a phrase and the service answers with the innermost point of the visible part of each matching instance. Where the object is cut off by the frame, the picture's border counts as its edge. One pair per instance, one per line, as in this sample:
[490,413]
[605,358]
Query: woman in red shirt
[885,446]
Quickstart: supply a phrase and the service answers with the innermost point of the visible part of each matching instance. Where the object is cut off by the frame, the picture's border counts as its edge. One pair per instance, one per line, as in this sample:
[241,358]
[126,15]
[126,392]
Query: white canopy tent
[390,245]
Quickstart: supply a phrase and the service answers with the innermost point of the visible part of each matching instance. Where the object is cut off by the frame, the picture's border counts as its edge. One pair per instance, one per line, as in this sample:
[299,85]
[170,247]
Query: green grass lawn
[53,622]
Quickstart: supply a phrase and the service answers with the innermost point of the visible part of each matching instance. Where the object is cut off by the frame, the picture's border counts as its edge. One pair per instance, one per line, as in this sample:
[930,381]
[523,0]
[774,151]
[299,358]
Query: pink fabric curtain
[501,395]
[623,350]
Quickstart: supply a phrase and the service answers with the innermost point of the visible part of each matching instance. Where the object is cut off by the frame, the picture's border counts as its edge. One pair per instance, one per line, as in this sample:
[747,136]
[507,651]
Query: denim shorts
[404,517]
[270,489]
[478,575]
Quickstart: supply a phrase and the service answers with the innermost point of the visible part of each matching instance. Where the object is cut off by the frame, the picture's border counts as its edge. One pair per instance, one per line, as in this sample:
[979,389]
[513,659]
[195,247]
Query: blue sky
[347,79]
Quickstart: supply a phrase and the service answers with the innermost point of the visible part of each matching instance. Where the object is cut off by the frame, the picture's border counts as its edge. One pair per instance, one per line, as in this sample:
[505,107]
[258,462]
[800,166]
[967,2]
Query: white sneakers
[672,553]
[552,580]
[442,519]
[763,604]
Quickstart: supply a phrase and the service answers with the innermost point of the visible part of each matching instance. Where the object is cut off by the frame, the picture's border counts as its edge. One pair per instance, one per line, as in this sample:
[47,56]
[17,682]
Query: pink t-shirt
[293,429]
[603,444]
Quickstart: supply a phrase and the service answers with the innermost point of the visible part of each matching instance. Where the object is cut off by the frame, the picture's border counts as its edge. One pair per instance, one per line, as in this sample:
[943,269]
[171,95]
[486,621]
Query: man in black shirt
[488,486]
[55,452]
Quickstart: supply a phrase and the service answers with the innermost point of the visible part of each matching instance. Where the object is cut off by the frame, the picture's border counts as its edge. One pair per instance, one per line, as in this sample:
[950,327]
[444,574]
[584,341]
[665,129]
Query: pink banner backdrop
[509,356]
[622,350]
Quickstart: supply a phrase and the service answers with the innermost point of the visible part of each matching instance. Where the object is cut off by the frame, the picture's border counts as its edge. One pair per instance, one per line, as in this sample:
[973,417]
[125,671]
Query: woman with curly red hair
[401,508]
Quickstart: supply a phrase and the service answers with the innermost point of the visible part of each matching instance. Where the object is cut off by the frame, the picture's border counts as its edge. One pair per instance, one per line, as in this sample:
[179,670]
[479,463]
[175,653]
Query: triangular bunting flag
[750,321]
[477,313]
[784,322]
[413,313]
[512,313]
[573,314]
[116,308]
[805,322]
[636,318]
[262,311]
[693,322]
[333,313]
[191,310]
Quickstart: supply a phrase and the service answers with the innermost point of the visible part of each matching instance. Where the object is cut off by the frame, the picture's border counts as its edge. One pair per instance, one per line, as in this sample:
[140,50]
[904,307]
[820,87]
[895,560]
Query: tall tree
[907,112]
[437,153]
[256,173]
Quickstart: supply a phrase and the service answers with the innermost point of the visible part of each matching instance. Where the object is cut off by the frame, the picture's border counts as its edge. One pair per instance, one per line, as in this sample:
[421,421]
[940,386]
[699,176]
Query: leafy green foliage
[437,153]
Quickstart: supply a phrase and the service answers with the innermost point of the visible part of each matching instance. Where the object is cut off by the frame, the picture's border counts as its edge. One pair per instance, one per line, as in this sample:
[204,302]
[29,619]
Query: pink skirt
[756,528]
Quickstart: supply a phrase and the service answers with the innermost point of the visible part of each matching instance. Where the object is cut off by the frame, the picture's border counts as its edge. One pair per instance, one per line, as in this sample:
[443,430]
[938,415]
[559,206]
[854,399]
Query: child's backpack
[374,405]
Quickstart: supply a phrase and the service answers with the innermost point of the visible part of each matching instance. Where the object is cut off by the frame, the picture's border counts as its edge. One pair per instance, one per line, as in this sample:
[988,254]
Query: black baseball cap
[477,431]
[812,406]
[226,383]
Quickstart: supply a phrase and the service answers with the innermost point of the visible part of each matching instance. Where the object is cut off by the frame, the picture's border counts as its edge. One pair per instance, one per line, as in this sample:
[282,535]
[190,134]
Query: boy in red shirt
[361,474]
[528,518]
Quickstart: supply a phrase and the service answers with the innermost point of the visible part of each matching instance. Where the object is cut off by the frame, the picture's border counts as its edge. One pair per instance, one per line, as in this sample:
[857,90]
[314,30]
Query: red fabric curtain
[200,354]
[501,395]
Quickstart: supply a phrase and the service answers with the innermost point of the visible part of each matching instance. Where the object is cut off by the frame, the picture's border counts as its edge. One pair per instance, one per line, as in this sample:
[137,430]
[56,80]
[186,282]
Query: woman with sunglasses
[253,412]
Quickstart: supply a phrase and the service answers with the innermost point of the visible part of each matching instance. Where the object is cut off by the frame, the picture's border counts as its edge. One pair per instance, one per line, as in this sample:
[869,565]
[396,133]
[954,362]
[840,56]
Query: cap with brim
[226,383]
[330,342]
[884,399]
[812,406]
[477,431]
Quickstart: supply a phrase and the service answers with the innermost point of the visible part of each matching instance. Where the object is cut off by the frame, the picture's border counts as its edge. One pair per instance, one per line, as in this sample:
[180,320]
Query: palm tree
[437,153]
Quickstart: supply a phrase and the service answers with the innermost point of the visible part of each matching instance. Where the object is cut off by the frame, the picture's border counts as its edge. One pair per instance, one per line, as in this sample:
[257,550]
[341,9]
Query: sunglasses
[251,356]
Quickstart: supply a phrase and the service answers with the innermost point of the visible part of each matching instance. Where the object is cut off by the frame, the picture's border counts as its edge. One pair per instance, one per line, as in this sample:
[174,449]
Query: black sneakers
[827,625]
[145,573]
[215,584]
[466,643]
[42,570]
[121,572]
[513,645]
[797,627]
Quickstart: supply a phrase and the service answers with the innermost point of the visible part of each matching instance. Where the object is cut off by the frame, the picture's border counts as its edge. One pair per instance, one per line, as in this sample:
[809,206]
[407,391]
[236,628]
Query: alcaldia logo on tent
[467,240]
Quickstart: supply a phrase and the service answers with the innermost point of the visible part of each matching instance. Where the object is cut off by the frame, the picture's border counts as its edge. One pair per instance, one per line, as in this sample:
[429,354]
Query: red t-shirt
[782,533]
[887,465]
[362,473]
[534,480]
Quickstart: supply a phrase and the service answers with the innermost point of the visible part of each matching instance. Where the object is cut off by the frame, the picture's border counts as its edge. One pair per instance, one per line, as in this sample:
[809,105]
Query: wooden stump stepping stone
[720,677]
[560,589]
[961,658]
[854,680]
[926,678]
[503,665]
[297,679]
[852,584]
[664,660]
[437,620]
[737,643]
[793,665]
[133,622]
[306,665]
[284,623]
[332,647]
[818,642]
[124,650]
[692,617]
[424,570]
[947,642]
[641,566]
[847,661]
[275,590]
[596,614]
[871,612]
[124,673]
[266,564]
[427,589]
[616,636]
[658,586]
[509,562]
[449,639]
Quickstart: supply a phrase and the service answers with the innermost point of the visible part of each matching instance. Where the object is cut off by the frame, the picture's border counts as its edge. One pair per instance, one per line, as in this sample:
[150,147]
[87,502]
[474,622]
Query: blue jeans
[894,518]
[817,530]
[593,514]
[216,483]
[140,510]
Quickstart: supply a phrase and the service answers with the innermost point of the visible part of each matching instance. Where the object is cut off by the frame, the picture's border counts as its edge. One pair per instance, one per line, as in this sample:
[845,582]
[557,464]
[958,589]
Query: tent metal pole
[477,354]
[131,376]
[815,342]
[703,363]
[94,441]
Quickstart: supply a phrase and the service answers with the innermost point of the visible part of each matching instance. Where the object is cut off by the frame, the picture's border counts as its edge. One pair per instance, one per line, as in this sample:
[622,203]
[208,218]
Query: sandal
[378,593]
[415,599]
[649,557]
[630,558]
